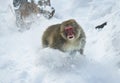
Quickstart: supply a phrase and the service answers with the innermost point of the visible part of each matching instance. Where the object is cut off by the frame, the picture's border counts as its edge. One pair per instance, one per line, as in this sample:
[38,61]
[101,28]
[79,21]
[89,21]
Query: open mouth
[71,37]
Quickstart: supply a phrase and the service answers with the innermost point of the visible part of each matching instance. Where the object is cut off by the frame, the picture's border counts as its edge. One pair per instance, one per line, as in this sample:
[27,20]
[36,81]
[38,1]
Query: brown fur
[28,8]
[55,37]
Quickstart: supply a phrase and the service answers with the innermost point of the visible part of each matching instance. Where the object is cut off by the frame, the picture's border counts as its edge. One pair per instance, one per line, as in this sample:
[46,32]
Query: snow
[22,59]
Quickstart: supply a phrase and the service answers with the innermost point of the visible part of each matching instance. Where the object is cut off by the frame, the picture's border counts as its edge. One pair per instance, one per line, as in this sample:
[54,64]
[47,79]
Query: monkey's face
[70,30]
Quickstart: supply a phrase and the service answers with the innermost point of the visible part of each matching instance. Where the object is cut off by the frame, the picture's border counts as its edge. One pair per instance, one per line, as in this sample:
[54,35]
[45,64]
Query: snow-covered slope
[22,59]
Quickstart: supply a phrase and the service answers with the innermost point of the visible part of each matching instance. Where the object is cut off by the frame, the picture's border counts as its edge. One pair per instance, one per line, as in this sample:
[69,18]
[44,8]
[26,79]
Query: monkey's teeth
[70,37]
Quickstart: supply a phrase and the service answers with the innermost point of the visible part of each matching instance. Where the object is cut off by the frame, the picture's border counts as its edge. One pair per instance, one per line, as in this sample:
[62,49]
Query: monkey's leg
[19,21]
[81,51]
[82,43]
[73,53]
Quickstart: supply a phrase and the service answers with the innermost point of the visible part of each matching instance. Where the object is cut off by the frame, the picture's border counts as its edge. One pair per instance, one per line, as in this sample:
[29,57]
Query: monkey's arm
[57,42]
[82,42]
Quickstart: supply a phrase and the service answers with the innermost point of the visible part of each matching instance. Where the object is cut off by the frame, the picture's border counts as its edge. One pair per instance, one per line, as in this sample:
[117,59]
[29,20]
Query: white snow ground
[22,60]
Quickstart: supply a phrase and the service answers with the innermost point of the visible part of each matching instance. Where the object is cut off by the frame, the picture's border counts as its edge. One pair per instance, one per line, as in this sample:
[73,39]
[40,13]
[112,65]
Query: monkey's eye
[69,30]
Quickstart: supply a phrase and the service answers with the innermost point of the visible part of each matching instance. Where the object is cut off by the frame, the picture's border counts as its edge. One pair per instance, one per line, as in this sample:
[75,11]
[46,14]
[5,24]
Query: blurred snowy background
[22,59]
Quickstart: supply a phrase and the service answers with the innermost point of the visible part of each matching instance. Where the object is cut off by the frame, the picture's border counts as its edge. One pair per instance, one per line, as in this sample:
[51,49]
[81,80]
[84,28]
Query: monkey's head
[70,30]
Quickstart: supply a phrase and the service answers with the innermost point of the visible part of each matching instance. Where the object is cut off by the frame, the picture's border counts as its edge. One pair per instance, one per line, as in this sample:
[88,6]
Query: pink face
[69,32]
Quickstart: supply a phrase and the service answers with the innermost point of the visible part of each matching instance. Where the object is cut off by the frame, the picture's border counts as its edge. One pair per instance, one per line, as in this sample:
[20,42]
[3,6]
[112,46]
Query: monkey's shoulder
[53,33]
[53,29]
[54,26]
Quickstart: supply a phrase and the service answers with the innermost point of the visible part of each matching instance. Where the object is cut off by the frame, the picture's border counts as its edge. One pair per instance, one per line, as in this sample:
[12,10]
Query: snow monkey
[28,8]
[67,36]
[25,11]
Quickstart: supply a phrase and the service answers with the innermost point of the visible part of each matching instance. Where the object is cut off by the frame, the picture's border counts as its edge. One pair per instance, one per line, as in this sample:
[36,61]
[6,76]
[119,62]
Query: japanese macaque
[101,26]
[66,37]
[27,9]
[25,15]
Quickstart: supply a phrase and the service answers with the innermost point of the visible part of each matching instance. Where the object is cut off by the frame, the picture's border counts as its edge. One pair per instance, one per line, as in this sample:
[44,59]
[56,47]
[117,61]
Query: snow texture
[23,60]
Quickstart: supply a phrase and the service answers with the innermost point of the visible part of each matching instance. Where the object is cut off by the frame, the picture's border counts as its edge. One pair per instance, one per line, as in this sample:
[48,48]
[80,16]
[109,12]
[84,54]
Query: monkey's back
[28,8]
[51,30]
[52,38]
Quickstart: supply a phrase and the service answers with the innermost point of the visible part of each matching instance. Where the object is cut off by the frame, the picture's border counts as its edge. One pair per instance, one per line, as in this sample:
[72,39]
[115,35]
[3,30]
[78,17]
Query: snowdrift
[22,59]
